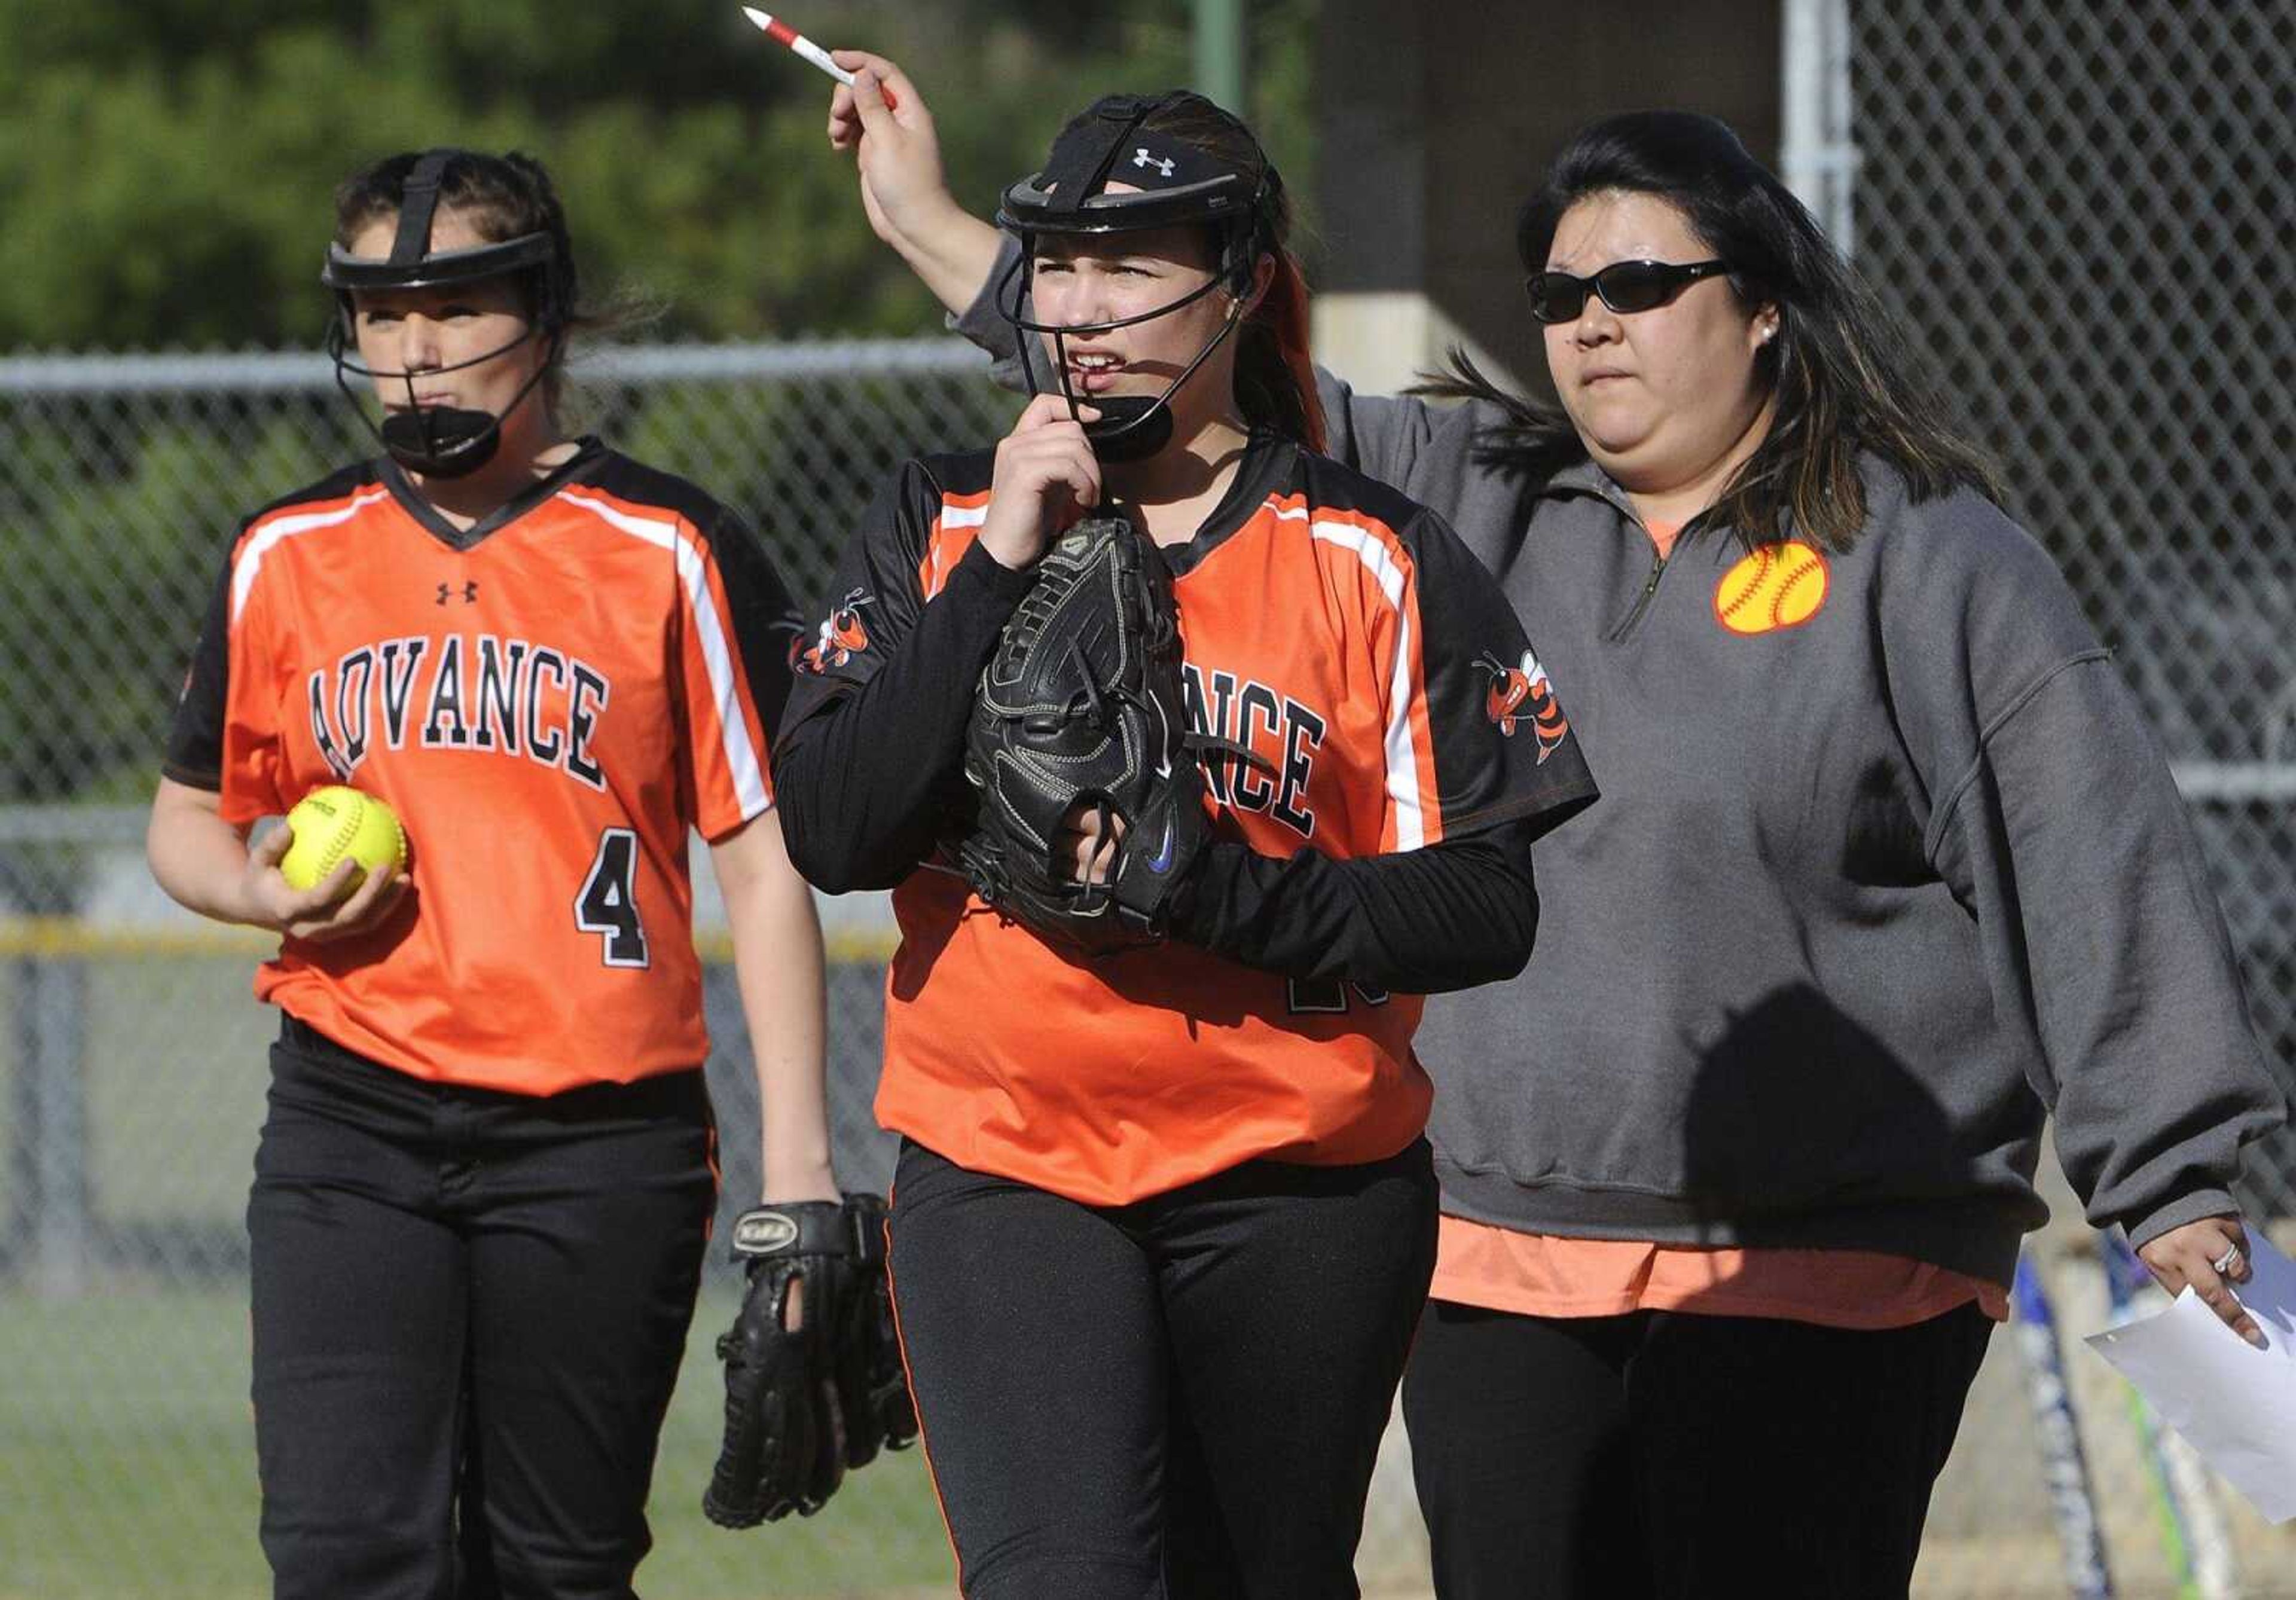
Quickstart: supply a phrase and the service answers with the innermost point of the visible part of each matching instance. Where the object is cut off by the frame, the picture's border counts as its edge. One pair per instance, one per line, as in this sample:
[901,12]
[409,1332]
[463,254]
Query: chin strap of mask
[439,441]
[451,441]
[1130,427]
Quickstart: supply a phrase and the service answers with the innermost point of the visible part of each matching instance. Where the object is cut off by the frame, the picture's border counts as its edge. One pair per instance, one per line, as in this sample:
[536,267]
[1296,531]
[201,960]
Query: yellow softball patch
[1778,586]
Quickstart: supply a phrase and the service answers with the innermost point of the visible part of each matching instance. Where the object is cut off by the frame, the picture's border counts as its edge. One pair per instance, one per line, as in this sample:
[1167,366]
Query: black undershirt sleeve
[867,781]
[1452,915]
[194,752]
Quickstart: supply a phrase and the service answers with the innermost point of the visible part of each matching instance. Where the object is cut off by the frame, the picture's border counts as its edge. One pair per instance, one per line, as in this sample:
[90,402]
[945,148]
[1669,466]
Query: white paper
[2235,1404]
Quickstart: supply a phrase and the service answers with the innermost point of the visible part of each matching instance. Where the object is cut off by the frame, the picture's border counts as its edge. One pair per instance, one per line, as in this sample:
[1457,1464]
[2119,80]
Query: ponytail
[1275,376]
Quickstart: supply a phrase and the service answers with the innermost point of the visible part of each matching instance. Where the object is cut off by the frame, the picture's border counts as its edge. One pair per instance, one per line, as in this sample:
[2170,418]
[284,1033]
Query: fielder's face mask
[1179,185]
[441,441]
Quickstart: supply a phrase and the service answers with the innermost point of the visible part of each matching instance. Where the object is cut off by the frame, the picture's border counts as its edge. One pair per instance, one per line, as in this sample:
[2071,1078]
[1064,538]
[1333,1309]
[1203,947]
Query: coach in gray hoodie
[1887,868]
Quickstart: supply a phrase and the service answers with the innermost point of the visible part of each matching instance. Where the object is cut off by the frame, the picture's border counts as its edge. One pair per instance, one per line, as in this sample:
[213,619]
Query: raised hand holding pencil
[782,33]
[883,122]
[775,28]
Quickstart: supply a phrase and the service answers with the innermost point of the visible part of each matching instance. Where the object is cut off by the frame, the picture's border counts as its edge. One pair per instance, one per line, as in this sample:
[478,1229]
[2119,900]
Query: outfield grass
[127,1448]
[128,1471]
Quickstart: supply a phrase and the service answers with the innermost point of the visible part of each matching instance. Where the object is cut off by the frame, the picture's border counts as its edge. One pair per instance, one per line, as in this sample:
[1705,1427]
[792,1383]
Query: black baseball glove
[1082,704]
[873,1385]
[804,1403]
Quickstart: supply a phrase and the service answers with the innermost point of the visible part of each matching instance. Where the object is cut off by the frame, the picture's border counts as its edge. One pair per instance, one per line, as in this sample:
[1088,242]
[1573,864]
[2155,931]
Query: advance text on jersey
[505,696]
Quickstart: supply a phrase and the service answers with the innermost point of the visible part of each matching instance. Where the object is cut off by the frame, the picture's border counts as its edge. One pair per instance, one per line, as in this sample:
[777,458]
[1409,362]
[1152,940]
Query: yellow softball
[1778,586]
[334,822]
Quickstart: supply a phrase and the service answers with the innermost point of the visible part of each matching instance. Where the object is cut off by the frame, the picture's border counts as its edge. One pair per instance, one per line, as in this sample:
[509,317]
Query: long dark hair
[1843,379]
[1275,376]
[502,197]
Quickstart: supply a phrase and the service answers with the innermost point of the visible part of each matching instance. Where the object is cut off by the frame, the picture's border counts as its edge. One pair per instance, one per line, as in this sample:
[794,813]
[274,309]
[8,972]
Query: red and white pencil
[774,27]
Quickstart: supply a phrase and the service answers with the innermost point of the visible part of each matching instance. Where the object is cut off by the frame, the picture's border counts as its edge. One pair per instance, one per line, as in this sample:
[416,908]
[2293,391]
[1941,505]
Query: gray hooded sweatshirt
[1869,891]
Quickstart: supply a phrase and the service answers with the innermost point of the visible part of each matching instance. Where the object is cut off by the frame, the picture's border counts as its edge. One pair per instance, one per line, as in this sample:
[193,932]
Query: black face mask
[1130,427]
[1177,184]
[445,441]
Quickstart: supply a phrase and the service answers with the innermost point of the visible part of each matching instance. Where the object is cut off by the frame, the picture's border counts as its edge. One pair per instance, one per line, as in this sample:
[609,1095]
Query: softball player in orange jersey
[487,1175]
[1162,1222]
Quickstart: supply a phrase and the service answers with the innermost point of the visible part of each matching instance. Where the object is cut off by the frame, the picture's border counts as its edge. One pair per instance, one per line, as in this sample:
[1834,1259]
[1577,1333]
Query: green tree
[165,167]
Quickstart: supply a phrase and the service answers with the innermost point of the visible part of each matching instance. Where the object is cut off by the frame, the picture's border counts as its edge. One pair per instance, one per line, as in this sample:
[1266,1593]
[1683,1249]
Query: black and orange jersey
[1344,635]
[552,701]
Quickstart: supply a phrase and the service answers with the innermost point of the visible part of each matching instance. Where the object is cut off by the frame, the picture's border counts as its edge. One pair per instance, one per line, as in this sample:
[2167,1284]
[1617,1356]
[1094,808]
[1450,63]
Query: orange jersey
[551,702]
[1342,633]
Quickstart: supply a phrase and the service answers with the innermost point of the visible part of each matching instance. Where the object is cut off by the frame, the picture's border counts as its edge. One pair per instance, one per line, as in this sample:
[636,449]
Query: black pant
[469,1312]
[1175,1400]
[1672,1455]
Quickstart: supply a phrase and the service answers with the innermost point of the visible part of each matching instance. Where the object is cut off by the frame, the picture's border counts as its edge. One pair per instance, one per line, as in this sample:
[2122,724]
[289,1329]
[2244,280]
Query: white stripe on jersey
[952,516]
[741,755]
[1402,756]
[251,559]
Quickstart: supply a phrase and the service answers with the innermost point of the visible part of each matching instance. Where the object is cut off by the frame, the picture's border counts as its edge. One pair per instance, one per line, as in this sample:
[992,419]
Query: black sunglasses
[1626,287]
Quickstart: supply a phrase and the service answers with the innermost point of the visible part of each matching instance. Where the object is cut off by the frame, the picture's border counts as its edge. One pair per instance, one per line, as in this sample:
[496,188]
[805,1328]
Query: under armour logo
[1141,158]
[470,592]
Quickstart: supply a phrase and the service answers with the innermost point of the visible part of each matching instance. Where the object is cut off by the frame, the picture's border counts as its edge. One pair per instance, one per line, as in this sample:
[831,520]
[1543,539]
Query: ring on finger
[2228,1260]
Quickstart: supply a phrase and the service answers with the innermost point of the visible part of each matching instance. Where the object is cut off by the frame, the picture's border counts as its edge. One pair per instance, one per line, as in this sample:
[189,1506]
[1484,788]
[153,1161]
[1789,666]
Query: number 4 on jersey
[609,901]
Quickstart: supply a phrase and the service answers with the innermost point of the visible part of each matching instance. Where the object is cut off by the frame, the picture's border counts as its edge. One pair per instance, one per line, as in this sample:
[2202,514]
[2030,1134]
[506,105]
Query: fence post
[1816,149]
[52,1222]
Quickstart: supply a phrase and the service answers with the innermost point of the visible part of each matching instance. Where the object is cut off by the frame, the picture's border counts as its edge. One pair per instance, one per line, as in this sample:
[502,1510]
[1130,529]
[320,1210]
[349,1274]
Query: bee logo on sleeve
[1523,692]
[842,636]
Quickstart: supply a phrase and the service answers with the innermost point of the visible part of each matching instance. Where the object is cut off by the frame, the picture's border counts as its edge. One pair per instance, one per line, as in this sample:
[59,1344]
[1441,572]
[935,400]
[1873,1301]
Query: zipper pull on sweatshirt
[1643,600]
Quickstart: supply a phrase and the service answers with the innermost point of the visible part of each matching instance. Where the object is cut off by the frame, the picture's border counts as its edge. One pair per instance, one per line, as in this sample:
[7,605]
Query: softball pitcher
[487,1172]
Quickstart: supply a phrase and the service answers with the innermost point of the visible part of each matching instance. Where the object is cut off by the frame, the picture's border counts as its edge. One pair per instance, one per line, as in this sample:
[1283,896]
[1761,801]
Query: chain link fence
[2083,212]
